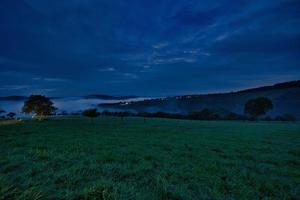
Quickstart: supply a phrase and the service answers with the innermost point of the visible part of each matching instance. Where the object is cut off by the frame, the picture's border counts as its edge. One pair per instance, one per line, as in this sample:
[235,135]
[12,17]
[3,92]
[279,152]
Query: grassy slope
[285,101]
[158,159]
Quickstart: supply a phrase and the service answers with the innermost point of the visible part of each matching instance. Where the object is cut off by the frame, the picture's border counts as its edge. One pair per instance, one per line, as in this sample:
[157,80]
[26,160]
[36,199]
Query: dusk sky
[146,47]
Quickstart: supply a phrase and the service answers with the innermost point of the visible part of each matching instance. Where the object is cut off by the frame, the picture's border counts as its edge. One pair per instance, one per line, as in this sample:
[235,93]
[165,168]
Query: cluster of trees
[10,115]
[204,114]
[195,116]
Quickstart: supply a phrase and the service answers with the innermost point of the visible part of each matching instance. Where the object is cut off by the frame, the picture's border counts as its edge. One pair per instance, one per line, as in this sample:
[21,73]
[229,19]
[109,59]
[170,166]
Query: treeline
[4,115]
[204,114]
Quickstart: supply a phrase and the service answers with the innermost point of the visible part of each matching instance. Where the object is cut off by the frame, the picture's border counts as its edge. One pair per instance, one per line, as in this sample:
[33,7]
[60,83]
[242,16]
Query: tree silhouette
[257,107]
[91,113]
[38,105]
[11,115]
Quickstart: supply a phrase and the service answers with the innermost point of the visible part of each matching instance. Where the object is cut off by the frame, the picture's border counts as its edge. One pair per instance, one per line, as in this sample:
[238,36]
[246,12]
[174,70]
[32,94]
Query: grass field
[73,158]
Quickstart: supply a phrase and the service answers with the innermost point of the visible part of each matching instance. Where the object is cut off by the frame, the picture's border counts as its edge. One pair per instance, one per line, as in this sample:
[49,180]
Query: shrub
[267,118]
[11,115]
[234,116]
[91,113]
[286,117]
[204,114]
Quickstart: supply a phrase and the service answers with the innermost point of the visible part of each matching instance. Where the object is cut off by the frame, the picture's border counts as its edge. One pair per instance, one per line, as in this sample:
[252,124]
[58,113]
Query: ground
[133,158]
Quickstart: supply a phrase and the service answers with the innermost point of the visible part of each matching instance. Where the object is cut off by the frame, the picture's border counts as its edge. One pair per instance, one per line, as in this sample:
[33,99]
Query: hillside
[285,97]
[93,96]
[13,98]
[108,97]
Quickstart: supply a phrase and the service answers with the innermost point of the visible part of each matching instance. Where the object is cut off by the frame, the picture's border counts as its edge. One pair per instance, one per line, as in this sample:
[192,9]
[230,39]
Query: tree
[11,115]
[91,113]
[257,107]
[38,105]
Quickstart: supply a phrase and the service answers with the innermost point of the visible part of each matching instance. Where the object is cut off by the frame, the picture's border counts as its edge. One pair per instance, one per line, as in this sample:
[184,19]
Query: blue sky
[143,47]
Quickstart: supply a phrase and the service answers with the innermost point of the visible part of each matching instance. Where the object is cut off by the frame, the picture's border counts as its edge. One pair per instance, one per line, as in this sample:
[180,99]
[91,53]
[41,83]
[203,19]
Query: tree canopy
[38,105]
[257,107]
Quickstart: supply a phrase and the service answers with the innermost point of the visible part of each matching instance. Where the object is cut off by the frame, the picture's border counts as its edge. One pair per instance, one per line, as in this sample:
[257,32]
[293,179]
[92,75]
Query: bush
[204,114]
[286,117]
[234,116]
[91,113]
[11,115]
[267,118]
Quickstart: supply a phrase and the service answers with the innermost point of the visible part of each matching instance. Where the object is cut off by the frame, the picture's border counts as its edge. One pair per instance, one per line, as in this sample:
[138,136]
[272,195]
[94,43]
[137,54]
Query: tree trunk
[40,117]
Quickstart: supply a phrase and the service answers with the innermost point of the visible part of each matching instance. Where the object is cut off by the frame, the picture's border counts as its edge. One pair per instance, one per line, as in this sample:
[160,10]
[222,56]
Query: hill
[285,97]
[108,97]
[93,96]
[13,98]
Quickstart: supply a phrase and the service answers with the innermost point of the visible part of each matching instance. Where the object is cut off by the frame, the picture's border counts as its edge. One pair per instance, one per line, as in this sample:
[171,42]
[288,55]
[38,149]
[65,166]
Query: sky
[146,47]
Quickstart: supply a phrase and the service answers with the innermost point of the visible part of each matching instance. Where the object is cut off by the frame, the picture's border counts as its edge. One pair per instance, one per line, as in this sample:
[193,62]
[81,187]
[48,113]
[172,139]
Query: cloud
[259,42]
[146,68]
[221,37]
[131,75]
[163,61]
[14,87]
[43,90]
[49,79]
[55,80]
[160,45]
[109,69]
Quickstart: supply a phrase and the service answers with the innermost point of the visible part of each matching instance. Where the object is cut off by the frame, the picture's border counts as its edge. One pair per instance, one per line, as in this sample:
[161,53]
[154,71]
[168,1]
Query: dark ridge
[13,98]
[108,97]
[20,98]
[278,86]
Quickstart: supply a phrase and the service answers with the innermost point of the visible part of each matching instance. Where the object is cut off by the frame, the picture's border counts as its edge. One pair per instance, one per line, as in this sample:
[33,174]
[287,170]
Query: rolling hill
[285,97]
[108,97]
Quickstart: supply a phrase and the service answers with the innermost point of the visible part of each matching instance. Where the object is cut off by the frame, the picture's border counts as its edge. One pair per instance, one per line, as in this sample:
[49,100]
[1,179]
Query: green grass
[72,158]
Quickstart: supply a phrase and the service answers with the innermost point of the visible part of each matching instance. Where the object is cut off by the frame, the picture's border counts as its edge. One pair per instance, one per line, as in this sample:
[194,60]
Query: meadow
[136,158]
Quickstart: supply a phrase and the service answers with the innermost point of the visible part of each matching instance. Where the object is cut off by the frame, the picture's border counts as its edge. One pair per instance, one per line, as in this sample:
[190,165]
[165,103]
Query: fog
[68,104]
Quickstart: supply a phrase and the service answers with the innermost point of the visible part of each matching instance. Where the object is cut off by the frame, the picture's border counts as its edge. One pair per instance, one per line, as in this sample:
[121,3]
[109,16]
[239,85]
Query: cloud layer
[146,47]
